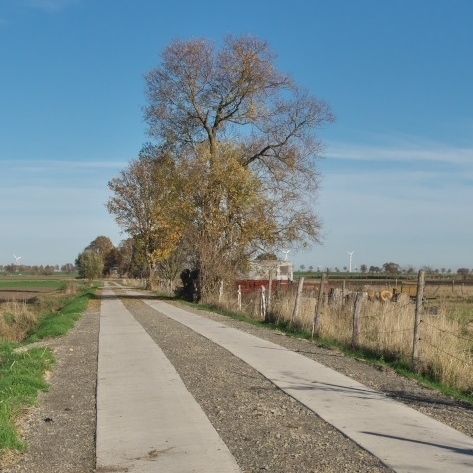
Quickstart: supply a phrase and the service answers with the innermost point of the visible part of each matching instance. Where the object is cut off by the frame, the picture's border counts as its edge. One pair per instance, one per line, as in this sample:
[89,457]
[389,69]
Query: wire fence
[415,330]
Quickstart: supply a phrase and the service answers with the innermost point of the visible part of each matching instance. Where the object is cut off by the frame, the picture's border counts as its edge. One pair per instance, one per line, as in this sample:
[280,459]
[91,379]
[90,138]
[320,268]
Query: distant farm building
[280,272]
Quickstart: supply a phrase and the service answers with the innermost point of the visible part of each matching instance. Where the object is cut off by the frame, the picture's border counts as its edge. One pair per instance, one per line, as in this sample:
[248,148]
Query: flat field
[15,288]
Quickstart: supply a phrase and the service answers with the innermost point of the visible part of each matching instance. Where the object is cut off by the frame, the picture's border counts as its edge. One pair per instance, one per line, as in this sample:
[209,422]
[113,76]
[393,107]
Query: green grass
[4,277]
[218,310]
[31,283]
[403,369]
[22,374]
[21,379]
[59,323]
[36,275]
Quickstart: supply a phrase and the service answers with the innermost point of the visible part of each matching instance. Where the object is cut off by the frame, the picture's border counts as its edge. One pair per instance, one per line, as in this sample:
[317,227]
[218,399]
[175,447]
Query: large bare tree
[232,117]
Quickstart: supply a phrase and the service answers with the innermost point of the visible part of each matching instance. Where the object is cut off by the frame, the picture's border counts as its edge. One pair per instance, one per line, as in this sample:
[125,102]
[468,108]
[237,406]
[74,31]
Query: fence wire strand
[390,312]
[394,331]
[386,312]
[469,362]
[448,331]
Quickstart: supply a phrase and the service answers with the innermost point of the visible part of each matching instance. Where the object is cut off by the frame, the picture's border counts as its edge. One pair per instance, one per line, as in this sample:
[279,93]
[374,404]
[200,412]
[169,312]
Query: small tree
[125,257]
[463,272]
[111,261]
[47,270]
[90,264]
[391,268]
[170,267]
[101,245]
[68,268]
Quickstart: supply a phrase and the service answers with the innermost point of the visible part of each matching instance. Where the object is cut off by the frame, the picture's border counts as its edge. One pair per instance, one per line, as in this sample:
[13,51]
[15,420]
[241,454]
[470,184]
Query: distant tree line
[46,270]
[391,268]
[100,258]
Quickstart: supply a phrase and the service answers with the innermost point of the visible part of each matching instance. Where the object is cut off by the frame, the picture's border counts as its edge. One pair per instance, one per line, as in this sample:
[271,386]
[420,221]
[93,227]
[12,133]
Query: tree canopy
[147,204]
[102,245]
[232,173]
[90,264]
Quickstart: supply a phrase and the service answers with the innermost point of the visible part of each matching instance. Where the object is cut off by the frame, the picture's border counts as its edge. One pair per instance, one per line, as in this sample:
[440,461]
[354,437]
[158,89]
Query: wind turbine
[285,254]
[17,258]
[351,253]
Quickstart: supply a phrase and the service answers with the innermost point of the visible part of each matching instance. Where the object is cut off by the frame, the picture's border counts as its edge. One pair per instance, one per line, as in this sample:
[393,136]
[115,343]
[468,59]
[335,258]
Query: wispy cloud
[427,151]
[50,5]
[49,164]
[396,197]
[48,174]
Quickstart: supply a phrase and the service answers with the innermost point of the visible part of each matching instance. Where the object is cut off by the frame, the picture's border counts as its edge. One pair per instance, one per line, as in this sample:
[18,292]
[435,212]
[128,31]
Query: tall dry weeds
[446,352]
[16,320]
[387,329]
[19,318]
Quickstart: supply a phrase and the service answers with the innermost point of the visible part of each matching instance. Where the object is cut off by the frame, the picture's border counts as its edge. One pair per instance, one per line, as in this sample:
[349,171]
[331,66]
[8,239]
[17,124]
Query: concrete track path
[147,421]
[402,438]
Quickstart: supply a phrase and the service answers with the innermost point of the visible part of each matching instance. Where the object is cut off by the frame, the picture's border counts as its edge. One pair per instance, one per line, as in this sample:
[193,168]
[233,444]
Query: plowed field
[22,293]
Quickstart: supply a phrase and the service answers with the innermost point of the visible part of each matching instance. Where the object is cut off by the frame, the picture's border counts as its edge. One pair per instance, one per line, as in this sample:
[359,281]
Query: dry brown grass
[19,317]
[446,333]
[16,319]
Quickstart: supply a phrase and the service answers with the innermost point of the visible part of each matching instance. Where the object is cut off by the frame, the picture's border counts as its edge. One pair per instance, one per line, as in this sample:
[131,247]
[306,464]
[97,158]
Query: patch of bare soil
[22,294]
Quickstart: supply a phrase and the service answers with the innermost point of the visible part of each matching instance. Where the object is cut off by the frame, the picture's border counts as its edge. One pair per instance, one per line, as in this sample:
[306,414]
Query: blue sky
[397,173]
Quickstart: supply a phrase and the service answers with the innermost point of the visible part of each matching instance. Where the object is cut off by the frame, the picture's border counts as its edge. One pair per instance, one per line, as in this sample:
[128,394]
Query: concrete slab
[147,421]
[402,438]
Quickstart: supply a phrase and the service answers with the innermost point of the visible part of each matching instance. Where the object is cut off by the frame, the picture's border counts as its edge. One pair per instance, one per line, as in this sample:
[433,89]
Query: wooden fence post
[420,297]
[270,291]
[298,296]
[263,302]
[355,339]
[318,308]
[239,297]
[220,292]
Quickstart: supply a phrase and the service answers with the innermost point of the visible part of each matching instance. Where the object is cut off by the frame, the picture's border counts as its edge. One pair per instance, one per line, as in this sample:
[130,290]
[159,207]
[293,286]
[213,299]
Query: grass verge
[55,324]
[21,379]
[22,372]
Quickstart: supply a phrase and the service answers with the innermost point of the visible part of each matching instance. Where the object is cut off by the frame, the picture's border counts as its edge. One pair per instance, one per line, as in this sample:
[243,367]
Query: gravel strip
[266,430]
[445,409]
[60,431]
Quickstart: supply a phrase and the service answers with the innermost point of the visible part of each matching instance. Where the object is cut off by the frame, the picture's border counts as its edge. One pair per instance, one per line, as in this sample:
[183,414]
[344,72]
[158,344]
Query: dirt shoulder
[60,430]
